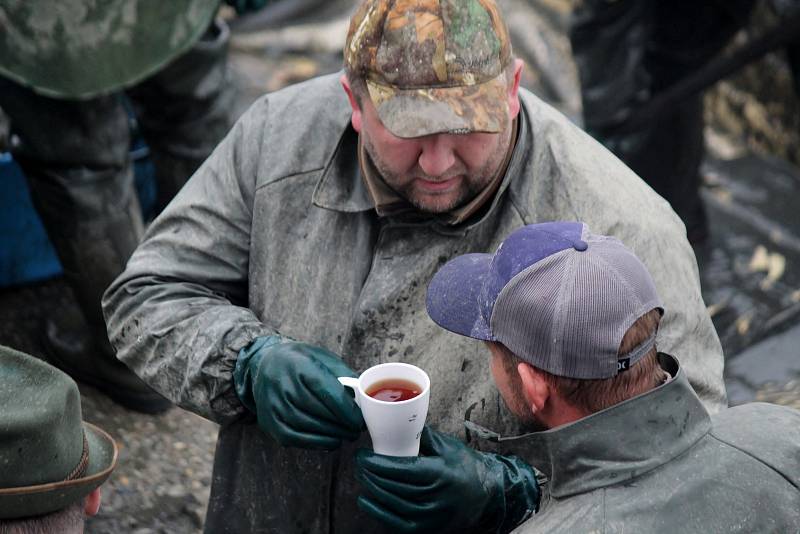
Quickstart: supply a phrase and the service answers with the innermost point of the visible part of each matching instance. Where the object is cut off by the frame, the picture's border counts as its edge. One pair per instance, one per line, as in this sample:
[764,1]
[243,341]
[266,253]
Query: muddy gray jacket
[276,233]
[658,463]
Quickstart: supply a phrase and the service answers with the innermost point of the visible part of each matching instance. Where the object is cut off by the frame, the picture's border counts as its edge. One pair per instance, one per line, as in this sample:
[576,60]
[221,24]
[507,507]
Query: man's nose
[437,155]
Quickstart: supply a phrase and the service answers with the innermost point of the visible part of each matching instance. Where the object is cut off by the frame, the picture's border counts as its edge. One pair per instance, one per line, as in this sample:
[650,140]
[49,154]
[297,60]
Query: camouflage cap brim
[464,109]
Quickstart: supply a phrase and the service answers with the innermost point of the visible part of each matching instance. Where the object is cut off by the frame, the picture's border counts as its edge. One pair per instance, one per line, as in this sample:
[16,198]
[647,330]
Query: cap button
[580,245]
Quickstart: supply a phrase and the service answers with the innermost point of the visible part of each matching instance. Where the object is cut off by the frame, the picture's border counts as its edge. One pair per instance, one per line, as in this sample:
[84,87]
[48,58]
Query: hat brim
[29,501]
[453,299]
[411,113]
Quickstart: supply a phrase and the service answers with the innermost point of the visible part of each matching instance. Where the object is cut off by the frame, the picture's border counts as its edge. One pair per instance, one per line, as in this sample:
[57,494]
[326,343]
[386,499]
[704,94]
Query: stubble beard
[471,184]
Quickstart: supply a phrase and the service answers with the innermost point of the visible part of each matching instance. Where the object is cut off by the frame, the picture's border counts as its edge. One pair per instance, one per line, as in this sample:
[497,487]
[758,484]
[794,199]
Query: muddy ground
[749,270]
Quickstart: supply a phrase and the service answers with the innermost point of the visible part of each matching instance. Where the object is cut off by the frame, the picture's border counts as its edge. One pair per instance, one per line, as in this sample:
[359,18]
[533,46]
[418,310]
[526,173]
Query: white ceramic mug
[395,427]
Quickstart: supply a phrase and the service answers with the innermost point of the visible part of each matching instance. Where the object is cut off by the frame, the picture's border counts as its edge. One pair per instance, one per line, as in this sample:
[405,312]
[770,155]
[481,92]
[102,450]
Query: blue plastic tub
[26,254]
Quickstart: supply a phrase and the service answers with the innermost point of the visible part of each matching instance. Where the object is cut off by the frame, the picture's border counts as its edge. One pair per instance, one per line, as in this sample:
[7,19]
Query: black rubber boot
[90,359]
[75,155]
[79,346]
[92,254]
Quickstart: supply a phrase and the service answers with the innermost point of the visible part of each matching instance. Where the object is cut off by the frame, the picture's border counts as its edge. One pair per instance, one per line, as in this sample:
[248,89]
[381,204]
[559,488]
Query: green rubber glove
[448,488]
[246,6]
[293,390]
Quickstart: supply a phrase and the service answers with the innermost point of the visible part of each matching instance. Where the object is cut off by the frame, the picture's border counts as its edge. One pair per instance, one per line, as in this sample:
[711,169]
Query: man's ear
[512,91]
[92,503]
[355,119]
[534,388]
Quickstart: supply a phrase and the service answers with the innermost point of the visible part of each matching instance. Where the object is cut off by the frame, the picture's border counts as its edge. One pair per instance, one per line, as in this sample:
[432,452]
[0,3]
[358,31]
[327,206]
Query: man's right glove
[449,487]
[294,392]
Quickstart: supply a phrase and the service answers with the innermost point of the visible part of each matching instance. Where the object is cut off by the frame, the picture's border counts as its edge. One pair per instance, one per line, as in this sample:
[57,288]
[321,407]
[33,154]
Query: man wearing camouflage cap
[301,249]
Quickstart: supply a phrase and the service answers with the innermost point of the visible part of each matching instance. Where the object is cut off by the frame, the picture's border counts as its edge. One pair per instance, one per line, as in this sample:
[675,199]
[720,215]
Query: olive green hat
[432,66]
[49,458]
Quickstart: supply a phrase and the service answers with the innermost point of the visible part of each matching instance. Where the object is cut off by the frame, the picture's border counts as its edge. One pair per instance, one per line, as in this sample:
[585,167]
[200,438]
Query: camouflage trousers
[627,51]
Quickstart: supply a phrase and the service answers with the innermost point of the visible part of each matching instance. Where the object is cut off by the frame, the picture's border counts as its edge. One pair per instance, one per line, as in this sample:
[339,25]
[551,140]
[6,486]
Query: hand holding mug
[293,390]
[448,488]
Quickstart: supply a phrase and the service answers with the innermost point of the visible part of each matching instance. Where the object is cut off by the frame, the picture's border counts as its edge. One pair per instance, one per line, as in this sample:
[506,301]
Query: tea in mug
[393,390]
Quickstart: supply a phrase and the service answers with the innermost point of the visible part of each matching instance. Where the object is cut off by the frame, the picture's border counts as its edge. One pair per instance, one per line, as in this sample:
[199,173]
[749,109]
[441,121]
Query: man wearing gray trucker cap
[570,319]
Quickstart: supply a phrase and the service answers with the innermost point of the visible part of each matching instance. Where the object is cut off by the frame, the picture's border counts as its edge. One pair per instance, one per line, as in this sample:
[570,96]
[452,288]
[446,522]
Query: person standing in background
[69,72]
[628,51]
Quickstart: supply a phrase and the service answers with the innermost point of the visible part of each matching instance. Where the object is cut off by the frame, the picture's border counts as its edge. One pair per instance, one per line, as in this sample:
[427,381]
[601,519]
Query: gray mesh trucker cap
[554,294]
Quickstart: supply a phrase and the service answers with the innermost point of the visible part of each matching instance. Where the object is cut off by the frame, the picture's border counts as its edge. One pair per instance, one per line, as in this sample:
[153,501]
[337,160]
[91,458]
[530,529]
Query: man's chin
[434,209]
[436,204]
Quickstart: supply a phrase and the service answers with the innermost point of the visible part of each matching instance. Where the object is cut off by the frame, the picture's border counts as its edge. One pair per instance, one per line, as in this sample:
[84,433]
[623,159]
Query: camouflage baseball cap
[432,66]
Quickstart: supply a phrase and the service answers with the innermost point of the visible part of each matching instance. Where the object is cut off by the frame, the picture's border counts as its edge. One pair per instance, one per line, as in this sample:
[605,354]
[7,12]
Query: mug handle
[352,383]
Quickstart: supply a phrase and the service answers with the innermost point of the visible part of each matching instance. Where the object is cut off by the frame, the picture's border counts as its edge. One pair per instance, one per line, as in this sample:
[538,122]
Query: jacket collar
[622,442]
[341,186]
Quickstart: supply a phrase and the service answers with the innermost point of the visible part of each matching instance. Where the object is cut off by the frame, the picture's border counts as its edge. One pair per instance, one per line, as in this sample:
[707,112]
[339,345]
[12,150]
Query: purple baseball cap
[554,294]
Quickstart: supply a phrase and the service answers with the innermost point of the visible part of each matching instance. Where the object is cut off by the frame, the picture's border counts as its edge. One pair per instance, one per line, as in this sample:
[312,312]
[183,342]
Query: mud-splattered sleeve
[178,313]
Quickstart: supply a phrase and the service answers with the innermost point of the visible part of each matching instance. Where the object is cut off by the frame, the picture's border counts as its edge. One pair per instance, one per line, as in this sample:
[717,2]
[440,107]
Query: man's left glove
[449,487]
[294,392]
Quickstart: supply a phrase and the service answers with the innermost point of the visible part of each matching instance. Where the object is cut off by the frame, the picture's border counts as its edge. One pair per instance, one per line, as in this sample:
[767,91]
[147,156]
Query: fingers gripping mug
[393,398]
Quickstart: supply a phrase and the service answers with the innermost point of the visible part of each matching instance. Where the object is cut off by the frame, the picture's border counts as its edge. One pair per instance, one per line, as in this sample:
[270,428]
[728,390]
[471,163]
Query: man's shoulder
[562,152]
[537,107]
[566,174]
[768,433]
[303,102]
[550,127]
[296,129]
[756,422]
